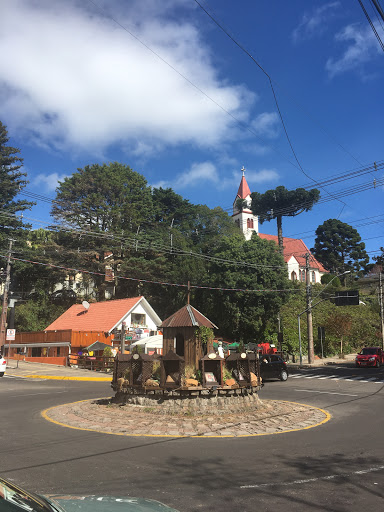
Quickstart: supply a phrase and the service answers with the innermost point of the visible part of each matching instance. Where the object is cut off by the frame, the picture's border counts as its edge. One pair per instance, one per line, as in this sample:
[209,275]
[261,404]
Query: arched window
[293,276]
[302,276]
[251,223]
[313,277]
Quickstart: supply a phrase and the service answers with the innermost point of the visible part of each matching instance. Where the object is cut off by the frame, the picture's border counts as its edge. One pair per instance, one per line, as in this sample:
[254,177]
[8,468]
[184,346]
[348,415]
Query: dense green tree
[364,324]
[339,248]
[280,202]
[106,198]
[37,314]
[245,315]
[12,181]
[380,258]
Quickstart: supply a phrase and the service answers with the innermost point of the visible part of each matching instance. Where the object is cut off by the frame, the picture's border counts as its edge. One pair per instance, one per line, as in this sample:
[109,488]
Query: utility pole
[122,344]
[311,352]
[381,308]
[3,319]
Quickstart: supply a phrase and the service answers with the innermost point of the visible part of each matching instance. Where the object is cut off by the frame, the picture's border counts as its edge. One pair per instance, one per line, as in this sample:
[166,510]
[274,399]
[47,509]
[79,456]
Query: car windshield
[368,351]
[13,499]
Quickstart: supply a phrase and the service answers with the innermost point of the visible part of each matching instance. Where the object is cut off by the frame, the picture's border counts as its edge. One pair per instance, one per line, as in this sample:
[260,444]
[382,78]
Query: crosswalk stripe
[347,378]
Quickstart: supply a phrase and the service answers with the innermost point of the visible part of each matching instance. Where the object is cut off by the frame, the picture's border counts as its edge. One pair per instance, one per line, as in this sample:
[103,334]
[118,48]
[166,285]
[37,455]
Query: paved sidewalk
[348,359]
[51,371]
[270,417]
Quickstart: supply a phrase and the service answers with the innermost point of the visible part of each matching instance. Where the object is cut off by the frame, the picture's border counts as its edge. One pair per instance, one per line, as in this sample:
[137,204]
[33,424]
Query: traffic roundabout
[262,418]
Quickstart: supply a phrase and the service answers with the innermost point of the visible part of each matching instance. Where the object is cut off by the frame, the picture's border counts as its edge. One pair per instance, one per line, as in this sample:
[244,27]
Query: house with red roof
[294,248]
[109,316]
[84,325]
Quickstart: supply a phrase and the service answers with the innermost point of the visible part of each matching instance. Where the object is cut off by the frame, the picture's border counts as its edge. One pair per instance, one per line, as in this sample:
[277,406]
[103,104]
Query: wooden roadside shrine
[180,335]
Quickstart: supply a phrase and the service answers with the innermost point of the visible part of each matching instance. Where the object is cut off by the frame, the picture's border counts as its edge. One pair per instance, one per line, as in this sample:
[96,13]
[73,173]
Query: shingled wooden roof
[188,316]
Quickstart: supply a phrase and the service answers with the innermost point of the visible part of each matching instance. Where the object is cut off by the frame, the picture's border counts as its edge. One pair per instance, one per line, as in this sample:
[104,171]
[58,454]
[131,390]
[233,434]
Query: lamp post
[308,310]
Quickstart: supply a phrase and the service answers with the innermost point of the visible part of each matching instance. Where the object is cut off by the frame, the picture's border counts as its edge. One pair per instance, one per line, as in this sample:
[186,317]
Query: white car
[3,366]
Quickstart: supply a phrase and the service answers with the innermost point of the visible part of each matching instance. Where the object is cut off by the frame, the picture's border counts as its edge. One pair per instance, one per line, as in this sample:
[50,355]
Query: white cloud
[362,48]
[72,77]
[266,125]
[204,173]
[198,174]
[252,177]
[262,176]
[50,181]
[316,22]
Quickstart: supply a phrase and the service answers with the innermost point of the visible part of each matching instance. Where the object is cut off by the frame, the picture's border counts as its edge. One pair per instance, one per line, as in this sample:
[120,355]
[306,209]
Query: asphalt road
[338,466]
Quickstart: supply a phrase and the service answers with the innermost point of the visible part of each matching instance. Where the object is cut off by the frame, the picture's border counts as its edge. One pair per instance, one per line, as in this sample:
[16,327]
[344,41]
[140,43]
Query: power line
[137,243]
[83,271]
[243,49]
[371,25]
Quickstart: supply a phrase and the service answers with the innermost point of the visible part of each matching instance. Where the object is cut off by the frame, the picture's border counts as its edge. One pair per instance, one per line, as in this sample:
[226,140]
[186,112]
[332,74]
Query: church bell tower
[242,215]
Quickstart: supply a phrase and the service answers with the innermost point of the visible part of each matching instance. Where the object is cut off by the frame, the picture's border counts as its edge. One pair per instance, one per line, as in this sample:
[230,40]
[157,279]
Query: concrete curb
[277,417]
[56,377]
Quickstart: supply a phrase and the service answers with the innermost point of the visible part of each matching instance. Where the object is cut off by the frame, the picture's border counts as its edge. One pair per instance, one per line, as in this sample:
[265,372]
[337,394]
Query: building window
[302,276]
[293,276]
[250,223]
[36,351]
[138,319]
[313,277]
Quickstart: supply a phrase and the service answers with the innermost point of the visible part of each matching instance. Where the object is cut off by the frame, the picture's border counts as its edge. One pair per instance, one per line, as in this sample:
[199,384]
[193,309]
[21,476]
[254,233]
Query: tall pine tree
[12,181]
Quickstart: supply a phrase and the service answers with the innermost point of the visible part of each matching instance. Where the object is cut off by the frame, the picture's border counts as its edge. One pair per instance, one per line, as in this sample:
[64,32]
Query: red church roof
[244,190]
[297,248]
[101,316]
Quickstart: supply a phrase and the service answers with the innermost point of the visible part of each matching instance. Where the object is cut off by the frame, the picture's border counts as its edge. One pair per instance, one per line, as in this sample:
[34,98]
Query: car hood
[108,504]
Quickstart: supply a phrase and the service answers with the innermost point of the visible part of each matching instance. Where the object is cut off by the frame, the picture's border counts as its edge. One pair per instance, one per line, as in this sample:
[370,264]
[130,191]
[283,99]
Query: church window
[313,277]
[293,276]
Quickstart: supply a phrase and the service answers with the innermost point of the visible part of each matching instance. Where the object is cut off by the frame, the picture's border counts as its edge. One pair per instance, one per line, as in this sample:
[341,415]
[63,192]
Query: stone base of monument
[207,401]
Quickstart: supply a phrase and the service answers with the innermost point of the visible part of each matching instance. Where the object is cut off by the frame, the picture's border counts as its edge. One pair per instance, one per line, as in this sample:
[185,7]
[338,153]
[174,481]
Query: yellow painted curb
[55,377]
[45,415]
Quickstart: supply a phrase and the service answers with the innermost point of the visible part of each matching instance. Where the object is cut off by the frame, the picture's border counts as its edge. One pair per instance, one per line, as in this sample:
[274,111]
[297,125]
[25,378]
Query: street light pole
[308,310]
[381,309]
[311,351]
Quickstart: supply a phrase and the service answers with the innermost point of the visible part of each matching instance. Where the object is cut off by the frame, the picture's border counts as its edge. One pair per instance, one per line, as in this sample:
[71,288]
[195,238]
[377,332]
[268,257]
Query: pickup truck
[370,356]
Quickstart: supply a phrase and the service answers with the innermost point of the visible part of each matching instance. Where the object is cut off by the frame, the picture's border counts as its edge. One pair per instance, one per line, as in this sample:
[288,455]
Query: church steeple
[244,190]
[243,216]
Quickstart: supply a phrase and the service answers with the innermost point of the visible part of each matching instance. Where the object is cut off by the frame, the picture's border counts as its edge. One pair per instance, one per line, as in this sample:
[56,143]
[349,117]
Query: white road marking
[309,480]
[324,392]
[328,377]
[314,376]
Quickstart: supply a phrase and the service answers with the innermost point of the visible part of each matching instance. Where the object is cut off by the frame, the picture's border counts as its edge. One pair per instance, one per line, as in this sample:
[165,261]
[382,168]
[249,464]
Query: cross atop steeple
[243,170]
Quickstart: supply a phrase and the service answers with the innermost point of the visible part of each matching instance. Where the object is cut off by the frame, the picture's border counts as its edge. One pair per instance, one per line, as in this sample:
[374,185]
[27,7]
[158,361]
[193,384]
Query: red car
[370,356]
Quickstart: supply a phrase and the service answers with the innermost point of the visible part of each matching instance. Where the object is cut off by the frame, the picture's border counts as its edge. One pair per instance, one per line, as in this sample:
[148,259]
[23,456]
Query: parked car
[370,356]
[13,499]
[273,366]
[3,366]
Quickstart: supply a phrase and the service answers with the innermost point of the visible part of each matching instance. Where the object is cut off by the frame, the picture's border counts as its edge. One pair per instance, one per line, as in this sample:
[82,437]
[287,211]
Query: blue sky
[158,86]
